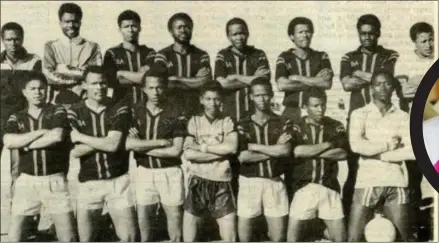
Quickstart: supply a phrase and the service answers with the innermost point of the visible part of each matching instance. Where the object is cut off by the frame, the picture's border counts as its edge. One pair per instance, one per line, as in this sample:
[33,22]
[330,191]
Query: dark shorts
[209,197]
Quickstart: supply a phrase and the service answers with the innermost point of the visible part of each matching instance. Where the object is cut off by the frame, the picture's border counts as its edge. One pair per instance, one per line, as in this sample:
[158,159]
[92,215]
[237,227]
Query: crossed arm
[207,153]
[299,83]
[236,81]
[38,139]
[258,152]
[203,76]
[86,144]
[325,150]
[161,148]
[127,77]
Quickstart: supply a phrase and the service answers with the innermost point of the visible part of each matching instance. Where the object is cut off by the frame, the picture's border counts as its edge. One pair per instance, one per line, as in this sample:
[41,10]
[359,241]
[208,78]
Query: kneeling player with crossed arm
[320,143]
[211,141]
[98,131]
[38,132]
[264,143]
[157,140]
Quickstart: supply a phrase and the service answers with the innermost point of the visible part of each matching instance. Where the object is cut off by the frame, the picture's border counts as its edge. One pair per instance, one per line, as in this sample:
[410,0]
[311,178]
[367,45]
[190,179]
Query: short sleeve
[326,63]
[345,67]
[281,67]
[110,68]
[243,135]
[390,62]
[220,66]
[60,119]
[179,127]
[229,126]
[339,136]
[263,63]
[205,61]
[13,125]
[121,120]
[73,119]
[150,57]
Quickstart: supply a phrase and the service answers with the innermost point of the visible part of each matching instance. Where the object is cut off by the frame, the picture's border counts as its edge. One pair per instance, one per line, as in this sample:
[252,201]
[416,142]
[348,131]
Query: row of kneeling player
[264,153]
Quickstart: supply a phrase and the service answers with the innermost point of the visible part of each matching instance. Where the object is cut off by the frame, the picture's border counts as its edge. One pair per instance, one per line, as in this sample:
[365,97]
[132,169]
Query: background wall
[335,26]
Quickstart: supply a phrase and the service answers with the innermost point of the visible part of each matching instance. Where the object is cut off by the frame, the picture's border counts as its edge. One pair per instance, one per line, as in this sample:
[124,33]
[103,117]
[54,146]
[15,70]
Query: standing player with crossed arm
[301,68]
[237,66]
[128,62]
[99,128]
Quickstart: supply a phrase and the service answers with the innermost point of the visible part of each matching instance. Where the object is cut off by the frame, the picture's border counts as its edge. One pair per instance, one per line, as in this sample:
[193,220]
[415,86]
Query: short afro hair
[236,21]
[183,16]
[128,15]
[315,93]
[299,20]
[71,8]
[96,70]
[418,28]
[384,72]
[264,82]
[28,76]
[369,19]
[212,86]
[13,26]
[157,73]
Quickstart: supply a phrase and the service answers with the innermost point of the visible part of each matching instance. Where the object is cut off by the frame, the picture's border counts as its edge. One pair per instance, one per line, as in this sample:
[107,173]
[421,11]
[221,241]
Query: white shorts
[32,192]
[113,193]
[315,200]
[257,195]
[159,185]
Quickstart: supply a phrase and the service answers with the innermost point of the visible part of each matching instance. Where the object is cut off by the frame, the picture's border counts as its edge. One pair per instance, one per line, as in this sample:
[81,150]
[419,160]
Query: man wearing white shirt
[379,133]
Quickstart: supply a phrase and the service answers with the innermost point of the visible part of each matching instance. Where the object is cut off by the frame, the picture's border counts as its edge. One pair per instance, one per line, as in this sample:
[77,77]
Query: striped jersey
[207,131]
[47,161]
[167,124]
[183,65]
[317,170]
[288,63]
[367,62]
[119,58]
[250,131]
[77,52]
[227,62]
[115,117]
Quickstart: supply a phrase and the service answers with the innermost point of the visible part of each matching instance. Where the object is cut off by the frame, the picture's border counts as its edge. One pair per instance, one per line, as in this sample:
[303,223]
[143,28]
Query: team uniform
[288,64]
[77,52]
[367,62]
[391,184]
[42,179]
[209,186]
[158,179]
[237,102]
[261,187]
[183,65]
[119,58]
[103,176]
[315,185]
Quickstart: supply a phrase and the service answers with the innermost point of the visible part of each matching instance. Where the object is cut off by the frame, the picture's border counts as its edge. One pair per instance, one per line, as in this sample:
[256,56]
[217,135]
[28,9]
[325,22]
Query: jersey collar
[378,49]
[374,109]
[246,52]
[22,55]
[292,50]
[271,117]
[74,41]
[189,50]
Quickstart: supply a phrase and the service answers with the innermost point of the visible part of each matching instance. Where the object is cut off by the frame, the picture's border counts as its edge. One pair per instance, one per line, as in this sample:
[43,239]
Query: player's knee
[128,235]
[175,236]
[67,237]
[277,237]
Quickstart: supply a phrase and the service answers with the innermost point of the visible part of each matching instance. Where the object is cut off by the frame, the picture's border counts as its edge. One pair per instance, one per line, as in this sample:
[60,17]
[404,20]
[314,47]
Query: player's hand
[193,146]
[324,72]
[133,132]
[284,138]
[294,77]
[74,135]
[393,143]
[261,72]
[165,143]
[203,72]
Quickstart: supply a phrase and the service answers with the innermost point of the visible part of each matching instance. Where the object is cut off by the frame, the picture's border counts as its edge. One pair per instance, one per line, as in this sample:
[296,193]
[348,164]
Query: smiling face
[181,31]
[238,35]
[70,25]
[35,92]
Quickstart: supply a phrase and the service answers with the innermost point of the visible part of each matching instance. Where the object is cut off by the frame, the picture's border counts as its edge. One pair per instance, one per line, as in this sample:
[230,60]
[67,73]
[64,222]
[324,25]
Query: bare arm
[109,144]
[21,140]
[228,147]
[173,151]
[140,145]
[80,150]
[231,82]
[200,157]
[309,151]
[273,151]
[285,84]
[127,77]
[322,80]
[398,155]
[50,138]
[334,154]
[247,156]
[352,83]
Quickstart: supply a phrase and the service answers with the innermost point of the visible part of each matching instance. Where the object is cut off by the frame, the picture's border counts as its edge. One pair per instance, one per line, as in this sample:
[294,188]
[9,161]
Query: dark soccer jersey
[167,124]
[367,62]
[119,58]
[267,134]
[41,162]
[236,102]
[289,64]
[115,117]
[177,64]
[319,171]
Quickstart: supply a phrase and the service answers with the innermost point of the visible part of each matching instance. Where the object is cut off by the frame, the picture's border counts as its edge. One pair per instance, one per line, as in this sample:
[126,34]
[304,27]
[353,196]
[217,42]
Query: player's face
[96,86]
[211,102]
[181,31]
[70,25]
[238,36]
[302,36]
[382,88]
[316,108]
[130,30]
[425,44]
[154,89]
[35,92]
[261,97]
[13,41]
[368,36]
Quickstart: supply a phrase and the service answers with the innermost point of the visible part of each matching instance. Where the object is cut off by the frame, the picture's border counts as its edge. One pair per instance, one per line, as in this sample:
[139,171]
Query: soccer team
[202,145]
